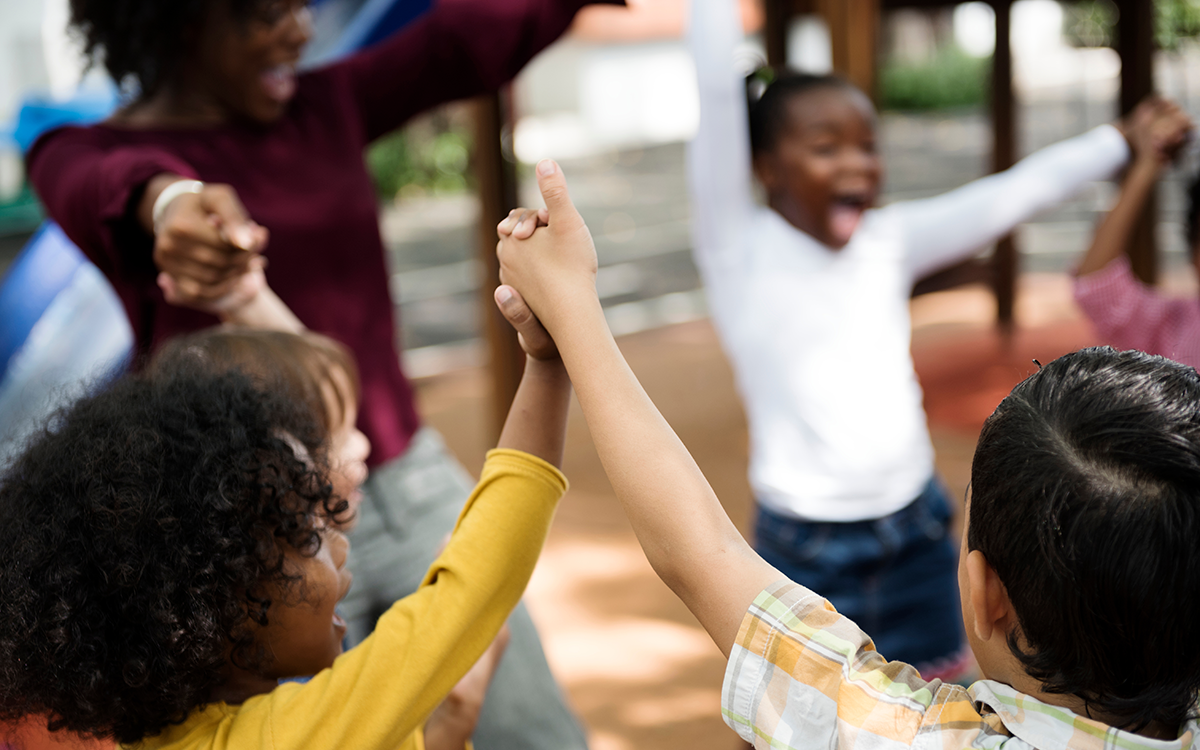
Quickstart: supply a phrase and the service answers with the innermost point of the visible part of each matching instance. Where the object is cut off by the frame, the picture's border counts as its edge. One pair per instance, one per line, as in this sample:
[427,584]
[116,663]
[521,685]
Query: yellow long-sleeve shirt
[377,694]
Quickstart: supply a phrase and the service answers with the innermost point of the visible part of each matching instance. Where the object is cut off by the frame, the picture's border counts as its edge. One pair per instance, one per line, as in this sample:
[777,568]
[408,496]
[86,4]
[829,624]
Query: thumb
[554,191]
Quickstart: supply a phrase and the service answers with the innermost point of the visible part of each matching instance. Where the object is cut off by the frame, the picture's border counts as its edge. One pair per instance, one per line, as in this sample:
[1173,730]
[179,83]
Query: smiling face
[823,171]
[246,67]
[304,632]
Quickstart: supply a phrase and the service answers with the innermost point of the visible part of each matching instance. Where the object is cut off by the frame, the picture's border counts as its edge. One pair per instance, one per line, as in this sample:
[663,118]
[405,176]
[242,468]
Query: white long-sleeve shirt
[819,338]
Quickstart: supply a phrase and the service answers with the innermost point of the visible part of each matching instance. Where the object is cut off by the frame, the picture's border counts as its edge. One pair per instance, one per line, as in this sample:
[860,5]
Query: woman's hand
[206,246]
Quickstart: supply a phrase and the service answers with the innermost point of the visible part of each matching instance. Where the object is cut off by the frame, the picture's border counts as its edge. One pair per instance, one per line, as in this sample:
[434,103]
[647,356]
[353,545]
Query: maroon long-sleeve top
[303,177]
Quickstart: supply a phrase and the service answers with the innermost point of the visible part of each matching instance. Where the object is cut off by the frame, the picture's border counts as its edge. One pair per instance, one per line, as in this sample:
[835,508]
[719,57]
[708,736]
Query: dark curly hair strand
[141,43]
[139,536]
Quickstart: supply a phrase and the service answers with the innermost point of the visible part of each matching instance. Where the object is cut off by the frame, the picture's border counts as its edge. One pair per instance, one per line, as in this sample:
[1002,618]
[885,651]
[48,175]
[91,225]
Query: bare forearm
[1115,233]
[685,532]
[267,312]
[537,419]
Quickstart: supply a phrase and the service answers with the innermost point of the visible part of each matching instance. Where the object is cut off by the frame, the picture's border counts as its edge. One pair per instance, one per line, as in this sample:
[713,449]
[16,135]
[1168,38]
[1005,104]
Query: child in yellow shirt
[170,550]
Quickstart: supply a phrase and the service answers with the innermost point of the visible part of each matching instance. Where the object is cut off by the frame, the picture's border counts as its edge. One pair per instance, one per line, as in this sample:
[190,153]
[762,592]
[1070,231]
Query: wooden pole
[1004,155]
[854,37]
[776,14]
[497,180]
[1135,45]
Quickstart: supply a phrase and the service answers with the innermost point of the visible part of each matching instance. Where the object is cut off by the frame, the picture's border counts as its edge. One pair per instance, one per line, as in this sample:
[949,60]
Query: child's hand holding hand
[554,267]
[242,291]
[249,302]
[1156,129]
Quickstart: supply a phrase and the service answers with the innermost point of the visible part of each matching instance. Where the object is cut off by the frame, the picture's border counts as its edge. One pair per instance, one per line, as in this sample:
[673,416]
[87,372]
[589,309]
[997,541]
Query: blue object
[62,330]
[346,26]
[43,269]
[39,114]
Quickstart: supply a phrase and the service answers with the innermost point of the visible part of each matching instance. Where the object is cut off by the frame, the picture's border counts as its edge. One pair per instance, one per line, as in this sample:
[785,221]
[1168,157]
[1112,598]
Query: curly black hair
[141,43]
[139,536]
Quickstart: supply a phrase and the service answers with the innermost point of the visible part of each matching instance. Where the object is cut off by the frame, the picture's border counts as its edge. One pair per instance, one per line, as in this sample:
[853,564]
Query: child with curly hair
[169,551]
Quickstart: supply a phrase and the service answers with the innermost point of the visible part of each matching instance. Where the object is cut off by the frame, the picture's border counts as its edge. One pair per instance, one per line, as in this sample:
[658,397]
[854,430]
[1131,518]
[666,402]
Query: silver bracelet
[168,194]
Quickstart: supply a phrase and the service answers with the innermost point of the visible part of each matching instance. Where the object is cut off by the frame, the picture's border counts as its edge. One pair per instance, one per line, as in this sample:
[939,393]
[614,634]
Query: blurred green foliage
[1090,23]
[950,78]
[1093,23]
[1175,21]
[430,157]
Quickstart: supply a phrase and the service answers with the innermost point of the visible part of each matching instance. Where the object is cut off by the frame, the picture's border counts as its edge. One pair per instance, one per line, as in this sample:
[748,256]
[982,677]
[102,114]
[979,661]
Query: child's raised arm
[1156,129]
[537,419]
[687,537]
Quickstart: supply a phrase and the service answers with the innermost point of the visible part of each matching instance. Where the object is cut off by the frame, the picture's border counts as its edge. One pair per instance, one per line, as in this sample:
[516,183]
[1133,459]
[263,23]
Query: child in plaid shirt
[1079,571]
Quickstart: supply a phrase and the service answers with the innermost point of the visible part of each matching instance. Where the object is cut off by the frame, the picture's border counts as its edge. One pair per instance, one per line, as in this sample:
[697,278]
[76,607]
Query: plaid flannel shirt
[802,676]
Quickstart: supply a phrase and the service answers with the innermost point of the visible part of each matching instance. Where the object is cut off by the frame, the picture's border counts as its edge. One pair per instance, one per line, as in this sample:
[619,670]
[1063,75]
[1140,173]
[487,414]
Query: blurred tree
[1093,22]
[1176,20]
[950,78]
[432,154]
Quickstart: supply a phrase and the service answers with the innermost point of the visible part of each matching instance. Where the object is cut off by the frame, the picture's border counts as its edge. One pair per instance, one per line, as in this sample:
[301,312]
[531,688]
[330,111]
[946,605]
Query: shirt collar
[1048,727]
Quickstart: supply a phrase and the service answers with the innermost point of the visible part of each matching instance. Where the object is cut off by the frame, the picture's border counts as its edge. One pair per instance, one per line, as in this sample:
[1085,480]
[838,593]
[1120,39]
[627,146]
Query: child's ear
[990,605]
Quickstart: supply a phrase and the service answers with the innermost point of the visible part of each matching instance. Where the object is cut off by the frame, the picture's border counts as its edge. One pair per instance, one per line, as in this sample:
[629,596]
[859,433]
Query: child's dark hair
[140,534]
[1086,502]
[768,109]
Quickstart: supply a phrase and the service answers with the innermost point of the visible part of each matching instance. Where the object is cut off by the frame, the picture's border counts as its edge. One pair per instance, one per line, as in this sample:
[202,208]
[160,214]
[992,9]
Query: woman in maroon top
[226,155]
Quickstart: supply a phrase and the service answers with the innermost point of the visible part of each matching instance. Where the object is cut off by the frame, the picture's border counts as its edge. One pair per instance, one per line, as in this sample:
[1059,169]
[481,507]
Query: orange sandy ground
[636,665]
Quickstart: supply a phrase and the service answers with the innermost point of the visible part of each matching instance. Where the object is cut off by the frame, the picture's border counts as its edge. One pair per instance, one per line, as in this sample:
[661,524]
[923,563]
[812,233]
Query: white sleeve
[940,230]
[719,156]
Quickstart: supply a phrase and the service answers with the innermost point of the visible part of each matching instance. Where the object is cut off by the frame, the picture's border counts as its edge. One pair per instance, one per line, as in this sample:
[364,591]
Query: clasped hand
[547,263]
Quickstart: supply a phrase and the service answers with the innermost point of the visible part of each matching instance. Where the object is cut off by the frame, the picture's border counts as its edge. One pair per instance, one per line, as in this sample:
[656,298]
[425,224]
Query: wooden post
[497,180]
[1135,45]
[854,37]
[1004,155]
[776,15]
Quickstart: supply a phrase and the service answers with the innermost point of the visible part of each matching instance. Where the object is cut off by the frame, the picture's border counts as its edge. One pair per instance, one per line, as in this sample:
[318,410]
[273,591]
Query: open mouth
[279,82]
[845,213]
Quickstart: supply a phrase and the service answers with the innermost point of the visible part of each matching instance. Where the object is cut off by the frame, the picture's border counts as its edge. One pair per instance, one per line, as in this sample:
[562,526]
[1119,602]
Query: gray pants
[409,506]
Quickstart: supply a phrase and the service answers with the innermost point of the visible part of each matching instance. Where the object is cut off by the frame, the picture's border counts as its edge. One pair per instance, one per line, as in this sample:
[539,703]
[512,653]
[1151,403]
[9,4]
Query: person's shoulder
[95,134]
[200,728]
